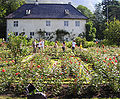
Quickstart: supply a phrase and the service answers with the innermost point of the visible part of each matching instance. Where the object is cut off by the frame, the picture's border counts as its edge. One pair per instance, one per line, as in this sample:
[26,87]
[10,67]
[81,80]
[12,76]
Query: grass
[0,40]
[7,97]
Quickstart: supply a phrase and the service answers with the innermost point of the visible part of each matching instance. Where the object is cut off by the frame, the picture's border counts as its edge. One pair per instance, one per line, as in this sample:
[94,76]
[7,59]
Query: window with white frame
[31,34]
[15,23]
[77,23]
[65,23]
[16,33]
[47,23]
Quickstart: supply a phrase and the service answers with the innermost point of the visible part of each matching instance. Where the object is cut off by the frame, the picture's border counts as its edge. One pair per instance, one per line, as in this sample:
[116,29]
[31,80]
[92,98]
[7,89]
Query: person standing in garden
[42,44]
[73,45]
[63,47]
[39,45]
[56,45]
[34,46]
[80,46]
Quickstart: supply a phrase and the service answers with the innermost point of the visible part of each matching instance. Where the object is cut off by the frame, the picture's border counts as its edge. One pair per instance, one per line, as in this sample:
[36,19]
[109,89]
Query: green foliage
[69,44]
[79,40]
[99,21]
[90,31]
[16,46]
[49,43]
[41,34]
[60,34]
[85,11]
[7,7]
[89,44]
[113,7]
[112,33]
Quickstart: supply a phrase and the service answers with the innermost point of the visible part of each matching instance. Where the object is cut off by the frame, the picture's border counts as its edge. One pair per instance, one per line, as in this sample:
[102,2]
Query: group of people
[63,45]
[40,45]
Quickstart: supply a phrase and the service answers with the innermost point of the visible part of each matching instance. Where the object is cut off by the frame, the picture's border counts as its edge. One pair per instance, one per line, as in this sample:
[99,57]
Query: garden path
[28,58]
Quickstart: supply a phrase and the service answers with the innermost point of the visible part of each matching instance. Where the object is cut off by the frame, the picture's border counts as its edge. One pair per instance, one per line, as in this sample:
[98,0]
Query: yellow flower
[8,34]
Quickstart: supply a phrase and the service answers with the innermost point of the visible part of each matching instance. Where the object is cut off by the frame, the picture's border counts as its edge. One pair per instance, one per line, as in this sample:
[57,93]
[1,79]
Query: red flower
[105,57]
[112,62]
[17,73]
[79,63]
[104,61]
[104,50]
[96,42]
[108,64]
[114,57]
[75,80]
[98,60]
[41,76]
[87,71]
[116,61]
[38,66]
[110,59]
[97,51]
[6,61]
[70,62]
[0,58]
[102,46]
[86,59]
[13,61]
[60,73]
[3,70]
[65,71]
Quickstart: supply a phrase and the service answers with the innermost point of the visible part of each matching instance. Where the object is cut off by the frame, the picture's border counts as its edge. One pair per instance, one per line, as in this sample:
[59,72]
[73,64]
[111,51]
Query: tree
[99,21]
[111,9]
[90,31]
[7,7]
[85,11]
[112,32]
[41,34]
[16,46]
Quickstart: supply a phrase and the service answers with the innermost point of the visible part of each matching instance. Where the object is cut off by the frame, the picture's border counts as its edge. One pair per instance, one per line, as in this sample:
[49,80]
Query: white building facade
[30,24]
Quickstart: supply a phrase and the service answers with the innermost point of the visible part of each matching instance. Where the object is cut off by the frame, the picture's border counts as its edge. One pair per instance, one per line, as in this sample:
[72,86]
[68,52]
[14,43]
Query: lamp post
[107,13]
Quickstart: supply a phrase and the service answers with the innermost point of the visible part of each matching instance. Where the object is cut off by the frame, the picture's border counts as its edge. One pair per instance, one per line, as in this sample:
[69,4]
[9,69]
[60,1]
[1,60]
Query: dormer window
[67,12]
[28,12]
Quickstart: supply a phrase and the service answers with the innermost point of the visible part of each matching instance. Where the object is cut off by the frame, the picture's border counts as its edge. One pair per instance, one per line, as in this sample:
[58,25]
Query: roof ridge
[46,3]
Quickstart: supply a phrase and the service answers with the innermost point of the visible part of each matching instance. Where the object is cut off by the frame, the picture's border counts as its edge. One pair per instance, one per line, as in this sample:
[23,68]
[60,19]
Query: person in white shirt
[42,44]
[73,45]
[39,45]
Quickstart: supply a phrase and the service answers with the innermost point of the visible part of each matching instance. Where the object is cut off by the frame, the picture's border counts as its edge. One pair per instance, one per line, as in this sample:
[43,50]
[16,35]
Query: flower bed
[54,71]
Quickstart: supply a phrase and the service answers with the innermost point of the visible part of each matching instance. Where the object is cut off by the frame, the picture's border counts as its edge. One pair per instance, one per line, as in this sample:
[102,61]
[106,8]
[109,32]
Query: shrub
[89,44]
[78,40]
[69,44]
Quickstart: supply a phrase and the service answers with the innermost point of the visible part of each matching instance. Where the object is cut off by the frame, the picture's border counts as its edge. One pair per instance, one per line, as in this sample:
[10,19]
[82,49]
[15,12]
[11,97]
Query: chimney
[69,3]
[36,3]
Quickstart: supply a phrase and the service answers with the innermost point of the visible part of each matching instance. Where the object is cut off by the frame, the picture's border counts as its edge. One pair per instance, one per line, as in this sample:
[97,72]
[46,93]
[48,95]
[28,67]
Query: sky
[88,3]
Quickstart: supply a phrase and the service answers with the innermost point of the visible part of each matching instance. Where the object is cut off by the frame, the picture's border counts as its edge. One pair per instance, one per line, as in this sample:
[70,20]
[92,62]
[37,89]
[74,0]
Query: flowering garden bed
[94,72]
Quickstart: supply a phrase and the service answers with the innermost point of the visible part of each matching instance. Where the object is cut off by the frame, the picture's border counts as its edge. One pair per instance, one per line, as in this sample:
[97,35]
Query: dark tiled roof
[47,11]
